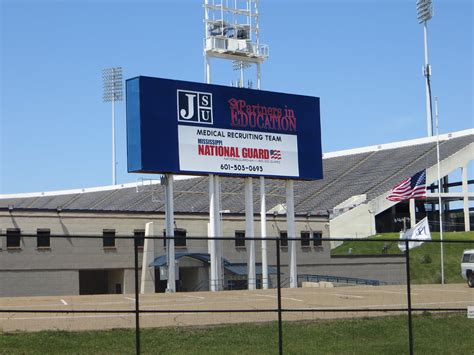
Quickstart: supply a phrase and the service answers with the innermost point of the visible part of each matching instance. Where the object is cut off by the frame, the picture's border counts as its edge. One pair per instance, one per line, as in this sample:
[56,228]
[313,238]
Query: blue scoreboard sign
[181,127]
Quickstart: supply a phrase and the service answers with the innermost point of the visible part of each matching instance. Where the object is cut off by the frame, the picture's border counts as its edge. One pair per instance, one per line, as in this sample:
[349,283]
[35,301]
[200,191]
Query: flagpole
[439,193]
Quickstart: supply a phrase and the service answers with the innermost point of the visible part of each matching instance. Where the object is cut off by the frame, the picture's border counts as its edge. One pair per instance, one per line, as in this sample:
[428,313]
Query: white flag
[420,232]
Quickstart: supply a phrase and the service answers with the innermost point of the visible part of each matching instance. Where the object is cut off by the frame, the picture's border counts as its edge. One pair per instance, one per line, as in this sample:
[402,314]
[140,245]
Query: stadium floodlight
[424,9]
[113,91]
[425,12]
[240,65]
[113,84]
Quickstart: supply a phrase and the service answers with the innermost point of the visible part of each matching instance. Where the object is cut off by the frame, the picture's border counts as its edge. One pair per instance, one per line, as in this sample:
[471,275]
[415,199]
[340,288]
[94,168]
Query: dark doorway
[190,281]
[92,282]
[96,282]
[160,285]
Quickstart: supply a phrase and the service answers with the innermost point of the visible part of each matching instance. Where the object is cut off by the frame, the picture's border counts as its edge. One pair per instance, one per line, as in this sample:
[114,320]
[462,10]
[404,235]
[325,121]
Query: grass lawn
[433,334]
[425,260]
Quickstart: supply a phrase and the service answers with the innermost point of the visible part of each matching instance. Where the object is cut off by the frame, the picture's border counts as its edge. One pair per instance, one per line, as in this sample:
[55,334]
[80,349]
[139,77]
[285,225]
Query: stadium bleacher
[372,172]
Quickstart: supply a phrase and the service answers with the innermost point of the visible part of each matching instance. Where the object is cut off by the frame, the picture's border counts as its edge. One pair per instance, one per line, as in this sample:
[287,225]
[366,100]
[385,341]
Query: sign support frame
[250,233]
[290,216]
[170,252]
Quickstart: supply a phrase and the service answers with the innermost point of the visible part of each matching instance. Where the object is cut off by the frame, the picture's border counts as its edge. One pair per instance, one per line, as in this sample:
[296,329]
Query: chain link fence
[89,282]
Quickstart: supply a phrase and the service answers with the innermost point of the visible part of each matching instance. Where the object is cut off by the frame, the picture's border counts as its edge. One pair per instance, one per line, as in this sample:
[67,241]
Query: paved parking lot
[339,298]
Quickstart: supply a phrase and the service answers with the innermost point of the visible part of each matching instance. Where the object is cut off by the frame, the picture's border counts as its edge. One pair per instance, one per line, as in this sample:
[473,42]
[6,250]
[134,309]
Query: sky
[363,58]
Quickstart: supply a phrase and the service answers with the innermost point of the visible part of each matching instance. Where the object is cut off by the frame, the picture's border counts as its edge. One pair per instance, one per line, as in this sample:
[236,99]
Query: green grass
[441,334]
[425,260]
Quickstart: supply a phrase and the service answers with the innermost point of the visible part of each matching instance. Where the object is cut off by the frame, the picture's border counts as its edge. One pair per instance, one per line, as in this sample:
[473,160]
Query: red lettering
[263,117]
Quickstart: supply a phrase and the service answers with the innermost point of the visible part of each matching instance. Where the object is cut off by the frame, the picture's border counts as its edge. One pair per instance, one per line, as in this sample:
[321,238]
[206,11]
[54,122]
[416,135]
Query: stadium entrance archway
[193,274]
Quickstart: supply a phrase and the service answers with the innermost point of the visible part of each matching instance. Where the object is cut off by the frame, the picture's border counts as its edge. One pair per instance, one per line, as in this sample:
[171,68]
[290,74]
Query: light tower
[425,13]
[232,33]
[113,91]
[239,65]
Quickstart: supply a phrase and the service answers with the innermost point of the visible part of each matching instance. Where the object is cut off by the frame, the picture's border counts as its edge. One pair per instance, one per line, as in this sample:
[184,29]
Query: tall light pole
[241,66]
[113,91]
[232,32]
[425,12]
[439,193]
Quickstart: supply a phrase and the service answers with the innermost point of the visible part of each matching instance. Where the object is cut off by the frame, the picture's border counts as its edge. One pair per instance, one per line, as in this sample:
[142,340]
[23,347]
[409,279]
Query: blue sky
[362,58]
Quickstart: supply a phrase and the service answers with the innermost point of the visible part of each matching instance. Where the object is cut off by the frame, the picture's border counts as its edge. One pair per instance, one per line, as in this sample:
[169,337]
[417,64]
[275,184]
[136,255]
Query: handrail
[341,279]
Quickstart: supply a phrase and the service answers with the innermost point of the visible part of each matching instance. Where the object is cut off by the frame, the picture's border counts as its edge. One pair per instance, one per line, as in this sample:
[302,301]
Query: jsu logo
[194,107]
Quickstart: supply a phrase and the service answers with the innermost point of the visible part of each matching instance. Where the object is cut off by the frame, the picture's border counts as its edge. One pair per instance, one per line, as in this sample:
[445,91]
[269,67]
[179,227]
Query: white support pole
[206,16]
[427,72]
[213,198]
[250,233]
[114,176]
[263,209]
[249,18]
[147,284]
[212,234]
[171,286]
[440,206]
[259,76]
[257,26]
[412,213]
[467,220]
[263,230]
[241,75]
[218,232]
[207,70]
[290,216]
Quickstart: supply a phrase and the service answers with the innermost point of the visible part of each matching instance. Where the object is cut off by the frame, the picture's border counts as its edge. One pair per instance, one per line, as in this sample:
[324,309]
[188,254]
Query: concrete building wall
[89,254]
[355,223]
[115,278]
[198,227]
[39,283]
[68,253]
[65,253]
[129,281]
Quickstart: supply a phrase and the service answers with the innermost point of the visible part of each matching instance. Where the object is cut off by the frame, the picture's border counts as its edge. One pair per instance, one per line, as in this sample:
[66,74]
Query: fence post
[280,335]
[410,326]
[137,300]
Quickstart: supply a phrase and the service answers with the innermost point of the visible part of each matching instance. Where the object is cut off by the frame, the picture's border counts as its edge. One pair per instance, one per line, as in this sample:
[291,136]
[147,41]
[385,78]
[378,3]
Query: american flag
[409,188]
[275,154]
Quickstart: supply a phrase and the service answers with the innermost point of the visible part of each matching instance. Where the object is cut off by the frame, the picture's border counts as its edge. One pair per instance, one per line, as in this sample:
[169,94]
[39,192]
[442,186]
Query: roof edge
[144,183]
[411,142]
